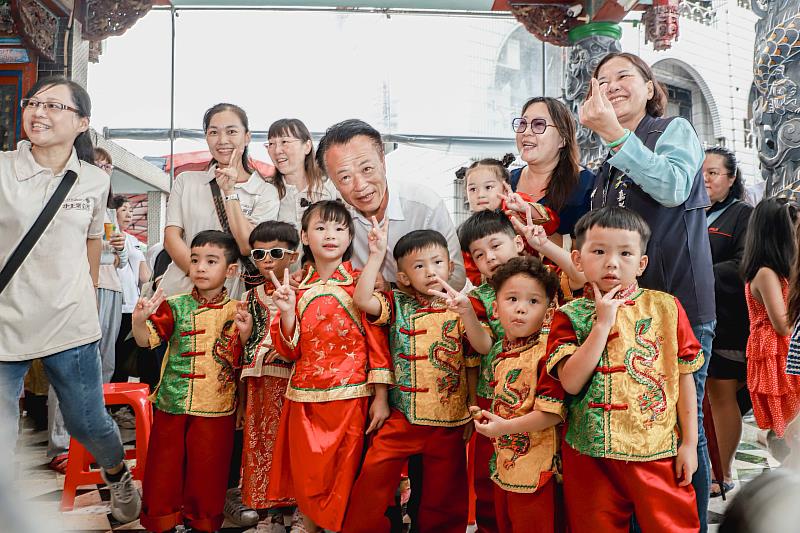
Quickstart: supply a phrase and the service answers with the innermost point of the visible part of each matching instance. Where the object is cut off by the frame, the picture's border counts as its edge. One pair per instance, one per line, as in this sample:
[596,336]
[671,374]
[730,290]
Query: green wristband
[620,140]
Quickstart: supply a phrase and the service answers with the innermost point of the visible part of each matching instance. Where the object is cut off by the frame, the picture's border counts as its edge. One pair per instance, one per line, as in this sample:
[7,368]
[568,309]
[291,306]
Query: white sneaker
[126,503]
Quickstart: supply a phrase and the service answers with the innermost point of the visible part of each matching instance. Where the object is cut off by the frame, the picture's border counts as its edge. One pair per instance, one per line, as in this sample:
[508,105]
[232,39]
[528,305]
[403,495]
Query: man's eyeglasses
[30,103]
[538,125]
[259,254]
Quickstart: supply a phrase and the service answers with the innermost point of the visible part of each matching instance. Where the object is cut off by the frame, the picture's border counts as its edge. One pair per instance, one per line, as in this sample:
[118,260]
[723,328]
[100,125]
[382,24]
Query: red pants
[189,458]
[444,480]
[484,486]
[602,494]
[533,512]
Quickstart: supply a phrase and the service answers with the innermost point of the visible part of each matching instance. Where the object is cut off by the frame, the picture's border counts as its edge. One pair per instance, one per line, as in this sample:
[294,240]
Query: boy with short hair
[528,403]
[489,239]
[195,400]
[626,355]
[430,401]
[265,374]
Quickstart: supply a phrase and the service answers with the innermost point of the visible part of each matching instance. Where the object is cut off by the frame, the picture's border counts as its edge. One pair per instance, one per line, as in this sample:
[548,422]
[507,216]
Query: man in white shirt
[351,153]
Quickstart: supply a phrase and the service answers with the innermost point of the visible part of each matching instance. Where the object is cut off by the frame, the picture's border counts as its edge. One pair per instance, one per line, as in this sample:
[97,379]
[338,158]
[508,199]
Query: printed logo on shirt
[82,204]
[247,209]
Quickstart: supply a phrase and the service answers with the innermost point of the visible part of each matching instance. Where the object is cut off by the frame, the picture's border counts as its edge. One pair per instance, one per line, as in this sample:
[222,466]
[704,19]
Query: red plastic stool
[79,471]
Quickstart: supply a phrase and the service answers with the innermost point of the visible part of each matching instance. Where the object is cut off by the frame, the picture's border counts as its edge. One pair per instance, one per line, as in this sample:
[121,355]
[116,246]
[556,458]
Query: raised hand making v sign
[227,176]
[478,336]
[285,300]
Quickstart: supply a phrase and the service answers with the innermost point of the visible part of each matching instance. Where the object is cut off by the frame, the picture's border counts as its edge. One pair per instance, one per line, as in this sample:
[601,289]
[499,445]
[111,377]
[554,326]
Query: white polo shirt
[50,304]
[294,203]
[411,207]
[191,208]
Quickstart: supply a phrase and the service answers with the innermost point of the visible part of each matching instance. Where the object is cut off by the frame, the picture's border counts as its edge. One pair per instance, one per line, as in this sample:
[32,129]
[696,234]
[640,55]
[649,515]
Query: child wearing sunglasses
[265,374]
[340,361]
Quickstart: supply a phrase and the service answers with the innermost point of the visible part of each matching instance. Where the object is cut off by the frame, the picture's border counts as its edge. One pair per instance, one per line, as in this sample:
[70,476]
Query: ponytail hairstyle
[239,112]
[566,174]
[732,168]
[84,148]
[292,127]
[499,166]
[771,240]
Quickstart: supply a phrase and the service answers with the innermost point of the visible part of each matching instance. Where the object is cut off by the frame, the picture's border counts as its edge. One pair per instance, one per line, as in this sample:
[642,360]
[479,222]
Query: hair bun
[461,173]
[508,159]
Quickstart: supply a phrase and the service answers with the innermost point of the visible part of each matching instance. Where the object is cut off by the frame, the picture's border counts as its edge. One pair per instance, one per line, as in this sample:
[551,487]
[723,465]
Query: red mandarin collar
[214,302]
[623,294]
[521,344]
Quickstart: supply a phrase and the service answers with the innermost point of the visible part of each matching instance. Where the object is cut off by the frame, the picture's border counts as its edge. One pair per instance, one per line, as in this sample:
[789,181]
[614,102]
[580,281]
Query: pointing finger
[232,161]
[286,277]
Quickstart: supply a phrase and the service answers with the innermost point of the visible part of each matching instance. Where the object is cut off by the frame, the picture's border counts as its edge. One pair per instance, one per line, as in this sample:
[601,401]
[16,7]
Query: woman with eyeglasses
[653,167]
[299,180]
[552,176]
[727,372]
[49,307]
[242,199]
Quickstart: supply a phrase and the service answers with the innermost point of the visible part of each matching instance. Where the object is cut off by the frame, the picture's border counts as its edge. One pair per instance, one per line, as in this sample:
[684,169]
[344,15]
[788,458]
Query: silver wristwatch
[234,196]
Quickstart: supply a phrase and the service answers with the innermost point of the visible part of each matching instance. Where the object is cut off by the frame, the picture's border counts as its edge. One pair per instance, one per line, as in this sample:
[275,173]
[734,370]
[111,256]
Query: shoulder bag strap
[249,267]
[39,226]
[220,206]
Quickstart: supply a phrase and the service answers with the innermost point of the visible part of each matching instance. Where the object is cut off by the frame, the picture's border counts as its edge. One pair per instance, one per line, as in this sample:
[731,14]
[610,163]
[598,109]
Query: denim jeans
[75,375]
[702,478]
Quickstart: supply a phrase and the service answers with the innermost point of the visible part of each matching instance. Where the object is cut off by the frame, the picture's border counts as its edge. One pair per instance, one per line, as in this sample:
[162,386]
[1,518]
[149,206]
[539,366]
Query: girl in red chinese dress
[340,362]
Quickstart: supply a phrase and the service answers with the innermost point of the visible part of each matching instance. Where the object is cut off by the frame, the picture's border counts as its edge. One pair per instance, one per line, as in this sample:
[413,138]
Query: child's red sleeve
[473,273]
[289,349]
[561,342]
[690,352]
[541,214]
[379,357]
[161,324]
[550,394]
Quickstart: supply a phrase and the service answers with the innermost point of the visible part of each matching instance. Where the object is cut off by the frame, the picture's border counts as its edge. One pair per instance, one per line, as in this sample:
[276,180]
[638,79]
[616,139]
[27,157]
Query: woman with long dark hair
[552,176]
[654,168]
[49,307]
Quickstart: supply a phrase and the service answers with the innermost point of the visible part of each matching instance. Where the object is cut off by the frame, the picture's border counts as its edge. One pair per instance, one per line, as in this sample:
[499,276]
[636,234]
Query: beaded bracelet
[621,140]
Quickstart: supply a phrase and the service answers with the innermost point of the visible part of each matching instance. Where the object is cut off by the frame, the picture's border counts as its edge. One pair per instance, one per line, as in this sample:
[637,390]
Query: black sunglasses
[259,254]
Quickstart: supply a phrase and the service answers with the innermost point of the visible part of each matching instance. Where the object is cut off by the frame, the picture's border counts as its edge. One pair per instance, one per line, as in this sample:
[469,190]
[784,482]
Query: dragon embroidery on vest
[443,353]
[505,404]
[223,353]
[511,399]
[639,363]
[518,443]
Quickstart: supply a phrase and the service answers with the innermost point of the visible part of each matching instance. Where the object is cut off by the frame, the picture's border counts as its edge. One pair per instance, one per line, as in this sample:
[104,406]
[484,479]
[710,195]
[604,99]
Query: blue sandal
[727,486]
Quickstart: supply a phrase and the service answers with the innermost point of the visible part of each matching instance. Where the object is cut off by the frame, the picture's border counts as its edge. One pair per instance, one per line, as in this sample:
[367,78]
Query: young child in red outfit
[626,355]
[487,188]
[193,420]
[429,402]
[340,361]
[527,402]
